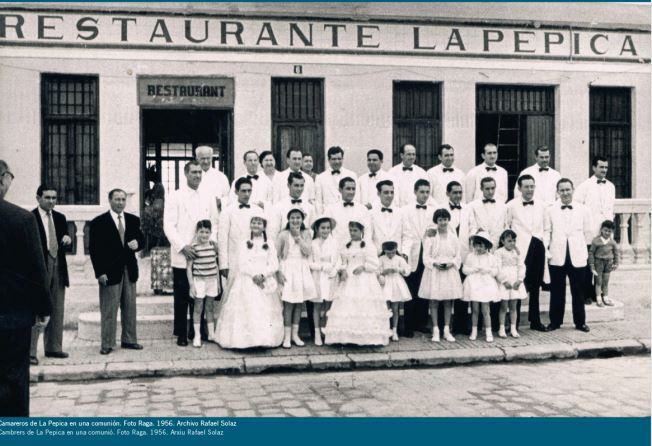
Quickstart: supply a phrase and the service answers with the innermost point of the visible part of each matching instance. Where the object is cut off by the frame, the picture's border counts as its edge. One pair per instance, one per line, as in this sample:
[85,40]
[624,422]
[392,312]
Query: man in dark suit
[23,295]
[115,237]
[53,229]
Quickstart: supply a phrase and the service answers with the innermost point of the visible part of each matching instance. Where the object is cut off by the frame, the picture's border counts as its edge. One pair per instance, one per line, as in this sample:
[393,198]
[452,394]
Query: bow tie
[567,206]
[244,206]
[602,181]
[494,169]
[298,200]
[252,177]
[448,169]
[544,169]
[488,200]
[350,203]
[407,168]
[421,207]
[386,210]
[528,203]
[372,174]
[335,172]
[454,206]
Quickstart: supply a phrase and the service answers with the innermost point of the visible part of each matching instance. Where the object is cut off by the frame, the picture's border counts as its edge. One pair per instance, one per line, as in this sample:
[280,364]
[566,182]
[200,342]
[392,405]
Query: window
[70,147]
[610,134]
[417,120]
[298,119]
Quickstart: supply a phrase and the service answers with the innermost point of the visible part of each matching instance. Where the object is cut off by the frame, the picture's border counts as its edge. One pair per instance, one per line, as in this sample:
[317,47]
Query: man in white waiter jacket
[386,219]
[278,214]
[544,176]
[405,175]
[183,209]
[488,168]
[567,229]
[367,193]
[261,186]
[327,184]
[347,210]
[294,159]
[443,173]
[213,182]
[487,213]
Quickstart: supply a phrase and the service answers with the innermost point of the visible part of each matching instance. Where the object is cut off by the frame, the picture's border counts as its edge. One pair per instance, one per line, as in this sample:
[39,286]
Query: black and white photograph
[347,209]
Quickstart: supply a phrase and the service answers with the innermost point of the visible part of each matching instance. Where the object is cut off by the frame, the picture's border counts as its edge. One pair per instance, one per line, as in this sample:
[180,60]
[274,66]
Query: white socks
[395,334]
[211,331]
[474,334]
[514,332]
[501,332]
[489,335]
[435,334]
[196,342]
[318,340]
[447,334]
[295,336]
[287,342]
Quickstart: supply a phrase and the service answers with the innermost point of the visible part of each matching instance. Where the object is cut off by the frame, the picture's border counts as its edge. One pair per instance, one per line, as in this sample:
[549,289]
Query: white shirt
[440,179]
[366,192]
[476,175]
[327,187]
[386,226]
[489,217]
[278,215]
[343,215]
[567,227]
[459,223]
[233,231]
[404,183]
[280,186]
[44,220]
[545,184]
[214,183]
[261,190]
[526,222]
[114,216]
[599,198]
[414,226]
[183,209]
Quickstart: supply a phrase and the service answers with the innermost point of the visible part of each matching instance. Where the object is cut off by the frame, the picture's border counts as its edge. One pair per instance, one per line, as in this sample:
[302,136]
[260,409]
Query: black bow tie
[297,201]
[567,206]
[372,174]
[335,172]
[494,169]
[602,181]
[454,206]
[421,207]
[407,168]
[544,169]
[350,203]
[386,210]
[448,169]
[244,206]
[528,203]
[488,200]
[252,177]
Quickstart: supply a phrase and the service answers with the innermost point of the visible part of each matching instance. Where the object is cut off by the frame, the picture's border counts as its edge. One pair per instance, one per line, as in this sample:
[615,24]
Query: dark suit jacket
[108,255]
[23,291]
[61,229]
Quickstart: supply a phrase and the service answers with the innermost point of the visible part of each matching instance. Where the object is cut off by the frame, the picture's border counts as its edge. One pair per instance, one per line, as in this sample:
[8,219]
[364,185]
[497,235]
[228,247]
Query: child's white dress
[480,284]
[322,264]
[510,269]
[439,284]
[359,315]
[395,288]
[299,285]
[251,316]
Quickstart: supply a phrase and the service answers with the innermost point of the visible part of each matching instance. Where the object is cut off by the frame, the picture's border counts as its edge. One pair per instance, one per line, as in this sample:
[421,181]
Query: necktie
[335,172]
[567,206]
[448,169]
[350,203]
[488,200]
[386,210]
[297,201]
[543,169]
[454,206]
[528,203]
[53,246]
[244,206]
[372,174]
[121,229]
[252,177]
[494,169]
[602,181]
[419,206]
[407,168]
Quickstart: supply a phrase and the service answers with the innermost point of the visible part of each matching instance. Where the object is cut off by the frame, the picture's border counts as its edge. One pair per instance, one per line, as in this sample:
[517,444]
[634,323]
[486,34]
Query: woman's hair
[441,213]
[506,233]
[317,224]
[296,211]
[250,243]
[355,224]
[204,224]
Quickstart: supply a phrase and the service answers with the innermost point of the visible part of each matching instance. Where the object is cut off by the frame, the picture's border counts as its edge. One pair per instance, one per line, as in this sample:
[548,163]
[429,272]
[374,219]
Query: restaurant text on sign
[215,92]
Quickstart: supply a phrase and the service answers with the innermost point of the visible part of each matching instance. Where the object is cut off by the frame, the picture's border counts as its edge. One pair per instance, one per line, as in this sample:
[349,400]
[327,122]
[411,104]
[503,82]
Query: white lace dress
[299,285]
[438,284]
[394,287]
[510,269]
[322,264]
[480,284]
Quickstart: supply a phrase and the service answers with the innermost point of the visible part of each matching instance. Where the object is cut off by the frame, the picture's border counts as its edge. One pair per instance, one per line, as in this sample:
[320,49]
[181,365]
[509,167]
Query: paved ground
[591,387]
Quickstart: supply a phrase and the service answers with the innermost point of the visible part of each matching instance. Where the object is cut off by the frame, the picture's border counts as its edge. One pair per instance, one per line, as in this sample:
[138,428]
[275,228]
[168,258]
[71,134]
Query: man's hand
[259,280]
[189,252]
[225,273]
[133,245]
[66,240]
[594,272]
[103,280]
[389,271]
[431,232]
[42,321]
[507,285]
[614,267]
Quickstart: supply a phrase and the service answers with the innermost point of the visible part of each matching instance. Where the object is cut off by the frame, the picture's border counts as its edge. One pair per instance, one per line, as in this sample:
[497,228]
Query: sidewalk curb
[345,361]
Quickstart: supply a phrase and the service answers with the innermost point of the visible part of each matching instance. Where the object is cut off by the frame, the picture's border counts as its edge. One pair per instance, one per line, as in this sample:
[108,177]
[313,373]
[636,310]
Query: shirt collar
[604,240]
[42,212]
[114,215]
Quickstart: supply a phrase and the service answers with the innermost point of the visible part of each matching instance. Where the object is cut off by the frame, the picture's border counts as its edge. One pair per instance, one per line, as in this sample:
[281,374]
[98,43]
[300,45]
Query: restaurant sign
[163,91]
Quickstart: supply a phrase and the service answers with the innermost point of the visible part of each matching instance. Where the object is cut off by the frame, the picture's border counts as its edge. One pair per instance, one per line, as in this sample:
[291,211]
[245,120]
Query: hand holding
[594,272]
[133,245]
[66,240]
[259,280]
[516,285]
[103,280]
[189,252]
[225,273]
[389,271]
[507,285]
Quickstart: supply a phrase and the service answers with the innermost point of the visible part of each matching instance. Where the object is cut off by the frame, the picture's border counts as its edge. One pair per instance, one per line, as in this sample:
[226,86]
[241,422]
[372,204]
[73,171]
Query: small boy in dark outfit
[604,257]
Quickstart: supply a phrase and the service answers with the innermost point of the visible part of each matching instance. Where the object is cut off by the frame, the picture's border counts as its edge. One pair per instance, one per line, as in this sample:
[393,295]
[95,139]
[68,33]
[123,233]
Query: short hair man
[307,166]
[213,182]
[327,183]
[386,219]
[346,210]
[543,175]
[294,161]
[261,192]
[405,174]
[367,193]
[488,168]
[295,200]
[443,173]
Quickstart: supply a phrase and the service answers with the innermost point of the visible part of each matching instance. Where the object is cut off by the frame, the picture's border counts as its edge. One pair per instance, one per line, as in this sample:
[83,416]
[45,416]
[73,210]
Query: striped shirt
[205,265]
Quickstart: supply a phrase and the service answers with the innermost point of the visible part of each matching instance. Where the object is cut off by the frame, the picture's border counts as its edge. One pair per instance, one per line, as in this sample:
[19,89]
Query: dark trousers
[535,262]
[184,306]
[558,276]
[416,310]
[53,331]
[14,372]
[113,297]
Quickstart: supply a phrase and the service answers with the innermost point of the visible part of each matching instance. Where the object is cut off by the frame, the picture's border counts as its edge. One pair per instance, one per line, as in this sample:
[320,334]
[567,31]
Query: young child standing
[604,257]
[294,250]
[359,314]
[393,268]
[203,280]
[480,286]
[511,272]
[441,278]
[322,265]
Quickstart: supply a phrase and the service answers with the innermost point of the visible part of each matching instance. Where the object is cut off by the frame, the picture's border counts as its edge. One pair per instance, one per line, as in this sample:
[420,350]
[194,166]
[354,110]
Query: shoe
[106,351]
[501,333]
[551,327]
[33,360]
[435,336]
[196,342]
[394,336]
[295,336]
[56,355]
[287,337]
[538,327]
[599,304]
[447,335]
[588,301]
[474,334]
[514,332]
[182,342]
[318,340]
[608,302]
[131,346]
[585,328]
